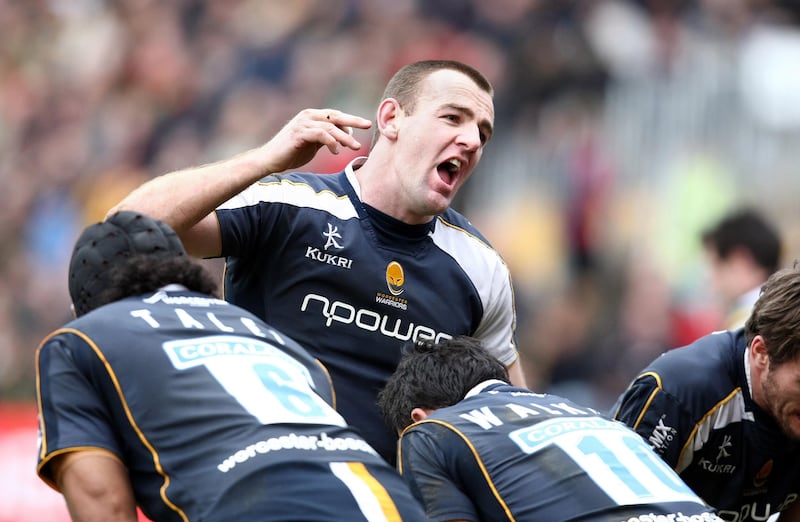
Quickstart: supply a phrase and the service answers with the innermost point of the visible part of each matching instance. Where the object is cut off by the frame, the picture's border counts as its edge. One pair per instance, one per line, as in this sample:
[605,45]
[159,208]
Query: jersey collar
[174,287]
[482,386]
[350,172]
[747,371]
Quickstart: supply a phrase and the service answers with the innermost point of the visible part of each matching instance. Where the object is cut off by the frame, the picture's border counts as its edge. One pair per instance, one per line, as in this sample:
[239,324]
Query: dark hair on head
[403,85]
[435,375]
[142,274]
[746,229]
[776,316]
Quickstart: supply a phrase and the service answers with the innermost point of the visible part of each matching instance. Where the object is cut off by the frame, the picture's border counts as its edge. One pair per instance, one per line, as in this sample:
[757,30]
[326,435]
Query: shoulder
[82,328]
[329,192]
[452,220]
[67,340]
[317,182]
[706,360]
[697,376]
[436,437]
[457,236]
[84,335]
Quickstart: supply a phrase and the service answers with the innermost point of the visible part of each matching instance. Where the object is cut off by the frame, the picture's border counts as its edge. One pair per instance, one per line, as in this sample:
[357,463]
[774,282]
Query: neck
[754,372]
[372,173]
[377,186]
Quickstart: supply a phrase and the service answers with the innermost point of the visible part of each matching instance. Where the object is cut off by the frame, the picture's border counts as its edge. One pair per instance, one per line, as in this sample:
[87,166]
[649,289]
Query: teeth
[456,163]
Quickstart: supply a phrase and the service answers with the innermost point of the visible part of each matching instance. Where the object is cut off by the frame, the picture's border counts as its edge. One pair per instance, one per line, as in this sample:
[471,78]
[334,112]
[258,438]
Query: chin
[435,210]
[441,202]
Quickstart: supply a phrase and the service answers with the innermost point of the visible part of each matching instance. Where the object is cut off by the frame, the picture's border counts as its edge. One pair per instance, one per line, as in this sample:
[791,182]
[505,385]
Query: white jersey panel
[490,275]
[293,193]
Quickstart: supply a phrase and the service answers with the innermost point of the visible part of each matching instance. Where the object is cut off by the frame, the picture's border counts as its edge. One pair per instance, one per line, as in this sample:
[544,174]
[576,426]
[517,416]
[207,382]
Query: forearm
[183,198]
[186,199]
[96,487]
[100,510]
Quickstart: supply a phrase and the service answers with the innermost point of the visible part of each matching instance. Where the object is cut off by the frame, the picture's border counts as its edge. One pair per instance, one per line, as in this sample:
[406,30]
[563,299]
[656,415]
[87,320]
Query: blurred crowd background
[623,129]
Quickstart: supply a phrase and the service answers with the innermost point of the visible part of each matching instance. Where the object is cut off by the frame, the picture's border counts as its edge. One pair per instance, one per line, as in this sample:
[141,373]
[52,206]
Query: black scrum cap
[102,245]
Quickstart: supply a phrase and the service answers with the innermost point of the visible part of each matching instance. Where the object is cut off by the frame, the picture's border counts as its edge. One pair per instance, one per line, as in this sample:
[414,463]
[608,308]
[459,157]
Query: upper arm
[490,278]
[424,467]
[73,413]
[96,486]
[634,401]
[657,416]
[204,239]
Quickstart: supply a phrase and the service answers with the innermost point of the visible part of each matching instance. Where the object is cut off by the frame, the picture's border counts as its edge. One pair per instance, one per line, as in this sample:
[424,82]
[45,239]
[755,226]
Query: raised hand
[311,129]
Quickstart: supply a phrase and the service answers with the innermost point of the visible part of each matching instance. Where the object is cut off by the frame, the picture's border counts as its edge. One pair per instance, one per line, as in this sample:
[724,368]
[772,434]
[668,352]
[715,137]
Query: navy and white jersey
[694,406]
[506,453]
[216,415]
[352,285]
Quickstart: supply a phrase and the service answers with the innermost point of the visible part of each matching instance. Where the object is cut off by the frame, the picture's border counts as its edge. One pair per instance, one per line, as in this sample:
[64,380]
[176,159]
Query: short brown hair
[776,316]
[403,85]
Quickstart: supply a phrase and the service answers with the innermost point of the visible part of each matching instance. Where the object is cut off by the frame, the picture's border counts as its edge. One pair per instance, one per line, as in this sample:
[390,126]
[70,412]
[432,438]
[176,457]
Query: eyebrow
[484,125]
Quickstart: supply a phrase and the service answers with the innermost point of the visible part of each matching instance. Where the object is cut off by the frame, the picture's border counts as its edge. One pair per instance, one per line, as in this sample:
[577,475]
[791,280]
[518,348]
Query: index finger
[344,120]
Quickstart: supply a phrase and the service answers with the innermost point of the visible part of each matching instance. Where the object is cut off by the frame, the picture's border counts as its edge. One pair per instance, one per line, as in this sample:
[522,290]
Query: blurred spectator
[97,95]
[742,249]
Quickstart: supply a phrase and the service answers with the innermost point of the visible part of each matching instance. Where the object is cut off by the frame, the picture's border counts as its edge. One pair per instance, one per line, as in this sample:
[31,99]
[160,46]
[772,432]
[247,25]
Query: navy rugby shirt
[304,254]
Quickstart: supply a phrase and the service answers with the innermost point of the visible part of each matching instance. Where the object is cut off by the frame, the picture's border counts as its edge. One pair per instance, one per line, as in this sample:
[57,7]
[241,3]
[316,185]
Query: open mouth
[449,169]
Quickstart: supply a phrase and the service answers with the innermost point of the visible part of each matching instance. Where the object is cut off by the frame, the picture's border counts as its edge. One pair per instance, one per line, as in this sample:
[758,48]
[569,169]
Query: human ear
[418,414]
[758,352]
[389,112]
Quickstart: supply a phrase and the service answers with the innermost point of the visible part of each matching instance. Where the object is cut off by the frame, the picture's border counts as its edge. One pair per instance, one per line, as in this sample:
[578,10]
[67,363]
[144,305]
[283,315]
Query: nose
[470,138]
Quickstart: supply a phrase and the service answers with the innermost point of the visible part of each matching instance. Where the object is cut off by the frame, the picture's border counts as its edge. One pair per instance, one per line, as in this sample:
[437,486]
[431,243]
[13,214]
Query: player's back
[216,415]
[525,456]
